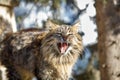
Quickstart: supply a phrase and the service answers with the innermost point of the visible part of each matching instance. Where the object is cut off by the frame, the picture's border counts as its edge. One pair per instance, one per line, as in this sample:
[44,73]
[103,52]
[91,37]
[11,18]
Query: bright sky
[87,26]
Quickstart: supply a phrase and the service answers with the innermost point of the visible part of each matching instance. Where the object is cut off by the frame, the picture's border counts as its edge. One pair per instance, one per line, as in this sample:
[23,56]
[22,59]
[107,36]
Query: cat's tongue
[63,47]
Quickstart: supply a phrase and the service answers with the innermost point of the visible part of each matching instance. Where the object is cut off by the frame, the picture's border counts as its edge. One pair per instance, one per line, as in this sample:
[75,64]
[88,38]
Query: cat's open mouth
[63,46]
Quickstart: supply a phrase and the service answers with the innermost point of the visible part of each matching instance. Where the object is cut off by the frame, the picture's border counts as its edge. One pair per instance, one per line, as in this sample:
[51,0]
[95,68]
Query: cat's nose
[64,38]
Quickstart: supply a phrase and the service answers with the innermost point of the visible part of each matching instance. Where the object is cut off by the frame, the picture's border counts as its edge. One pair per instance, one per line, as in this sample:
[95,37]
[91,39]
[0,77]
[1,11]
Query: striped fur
[57,66]
[34,53]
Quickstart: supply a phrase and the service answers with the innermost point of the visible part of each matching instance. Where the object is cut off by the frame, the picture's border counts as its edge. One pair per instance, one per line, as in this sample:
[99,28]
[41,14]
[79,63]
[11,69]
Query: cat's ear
[50,25]
[75,27]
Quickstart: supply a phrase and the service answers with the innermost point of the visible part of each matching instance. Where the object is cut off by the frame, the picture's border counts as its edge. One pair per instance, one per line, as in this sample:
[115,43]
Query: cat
[18,53]
[47,55]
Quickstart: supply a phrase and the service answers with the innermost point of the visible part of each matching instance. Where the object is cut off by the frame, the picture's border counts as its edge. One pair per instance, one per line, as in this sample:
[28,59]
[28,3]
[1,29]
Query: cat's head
[62,40]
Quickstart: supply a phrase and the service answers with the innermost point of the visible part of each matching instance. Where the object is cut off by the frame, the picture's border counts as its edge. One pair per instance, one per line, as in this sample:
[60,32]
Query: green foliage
[44,2]
[105,2]
[56,4]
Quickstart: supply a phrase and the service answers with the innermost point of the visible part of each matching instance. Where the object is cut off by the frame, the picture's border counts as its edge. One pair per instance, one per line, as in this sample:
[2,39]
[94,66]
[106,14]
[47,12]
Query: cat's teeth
[63,46]
[62,50]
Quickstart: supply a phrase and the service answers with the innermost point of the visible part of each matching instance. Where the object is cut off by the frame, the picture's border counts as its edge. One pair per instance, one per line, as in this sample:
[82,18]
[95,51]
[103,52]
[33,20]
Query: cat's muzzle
[63,46]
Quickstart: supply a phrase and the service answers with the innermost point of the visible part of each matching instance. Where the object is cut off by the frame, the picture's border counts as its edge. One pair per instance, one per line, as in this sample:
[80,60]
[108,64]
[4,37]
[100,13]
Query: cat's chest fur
[51,71]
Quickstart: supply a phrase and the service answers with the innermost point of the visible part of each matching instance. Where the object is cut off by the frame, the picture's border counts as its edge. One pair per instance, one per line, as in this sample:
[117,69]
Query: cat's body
[48,55]
[18,53]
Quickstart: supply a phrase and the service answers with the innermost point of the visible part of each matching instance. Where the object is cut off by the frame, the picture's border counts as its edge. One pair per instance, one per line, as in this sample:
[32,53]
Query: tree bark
[7,17]
[7,14]
[108,22]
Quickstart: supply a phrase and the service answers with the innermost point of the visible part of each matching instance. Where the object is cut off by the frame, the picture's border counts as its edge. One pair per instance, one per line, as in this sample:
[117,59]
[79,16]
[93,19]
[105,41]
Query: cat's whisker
[61,59]
[71,56]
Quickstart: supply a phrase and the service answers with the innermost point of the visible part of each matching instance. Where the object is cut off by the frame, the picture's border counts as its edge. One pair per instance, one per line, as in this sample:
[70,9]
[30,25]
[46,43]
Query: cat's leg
[3,72]
[12,74]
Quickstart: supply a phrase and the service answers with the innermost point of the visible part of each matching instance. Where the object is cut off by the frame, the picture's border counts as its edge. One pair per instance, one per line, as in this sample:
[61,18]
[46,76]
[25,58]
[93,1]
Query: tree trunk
[7,17]
[108,21]
[7,14]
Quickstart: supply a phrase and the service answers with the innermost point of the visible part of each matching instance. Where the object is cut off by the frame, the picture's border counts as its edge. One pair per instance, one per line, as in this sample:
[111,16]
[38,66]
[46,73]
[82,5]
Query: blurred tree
[108,21]
[60,11]
[7,18]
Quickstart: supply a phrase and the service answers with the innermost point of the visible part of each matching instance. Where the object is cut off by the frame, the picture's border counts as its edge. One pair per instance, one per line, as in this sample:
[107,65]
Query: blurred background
[23,14]
[34,13]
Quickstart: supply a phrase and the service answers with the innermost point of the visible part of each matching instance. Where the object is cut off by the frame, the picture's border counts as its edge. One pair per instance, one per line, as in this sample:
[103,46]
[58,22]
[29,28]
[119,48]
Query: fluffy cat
[48,55]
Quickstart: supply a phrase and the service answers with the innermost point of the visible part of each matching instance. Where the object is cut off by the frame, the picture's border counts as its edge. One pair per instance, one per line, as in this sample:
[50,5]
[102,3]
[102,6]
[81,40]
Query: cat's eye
[58,34]
[70,34]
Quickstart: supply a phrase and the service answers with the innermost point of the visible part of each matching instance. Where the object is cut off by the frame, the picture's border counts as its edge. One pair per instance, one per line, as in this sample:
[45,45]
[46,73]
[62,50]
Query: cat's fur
[48,55]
